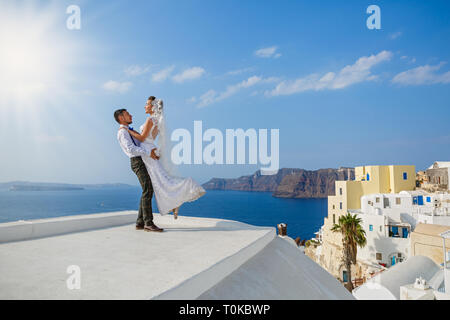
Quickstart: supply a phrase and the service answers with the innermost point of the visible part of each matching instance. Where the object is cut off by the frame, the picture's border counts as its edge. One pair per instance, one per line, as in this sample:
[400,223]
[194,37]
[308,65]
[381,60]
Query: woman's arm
[145,131]
[155,132]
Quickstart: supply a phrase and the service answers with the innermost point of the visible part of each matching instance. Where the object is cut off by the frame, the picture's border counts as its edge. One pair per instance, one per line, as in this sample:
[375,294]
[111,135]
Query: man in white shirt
[131,147]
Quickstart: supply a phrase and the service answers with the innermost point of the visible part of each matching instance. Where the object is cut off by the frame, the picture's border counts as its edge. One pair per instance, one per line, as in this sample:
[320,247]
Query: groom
[134,151]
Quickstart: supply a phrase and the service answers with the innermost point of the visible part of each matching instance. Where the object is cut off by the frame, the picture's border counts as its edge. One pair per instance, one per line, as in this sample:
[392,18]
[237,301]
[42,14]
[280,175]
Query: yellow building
[368,180]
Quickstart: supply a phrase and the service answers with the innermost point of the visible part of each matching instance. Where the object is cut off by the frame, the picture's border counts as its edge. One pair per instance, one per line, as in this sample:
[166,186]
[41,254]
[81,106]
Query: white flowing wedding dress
[170,192]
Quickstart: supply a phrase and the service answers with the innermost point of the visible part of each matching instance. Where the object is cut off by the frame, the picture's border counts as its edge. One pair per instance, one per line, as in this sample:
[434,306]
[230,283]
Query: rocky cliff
[287,183]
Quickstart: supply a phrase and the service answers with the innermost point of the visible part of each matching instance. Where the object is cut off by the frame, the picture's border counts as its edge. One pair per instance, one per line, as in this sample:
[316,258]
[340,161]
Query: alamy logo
[373,21]
[74,280]
[73,22]
[213,153]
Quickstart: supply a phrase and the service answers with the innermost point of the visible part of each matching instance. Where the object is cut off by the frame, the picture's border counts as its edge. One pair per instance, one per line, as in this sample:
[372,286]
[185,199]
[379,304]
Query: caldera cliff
[287,183]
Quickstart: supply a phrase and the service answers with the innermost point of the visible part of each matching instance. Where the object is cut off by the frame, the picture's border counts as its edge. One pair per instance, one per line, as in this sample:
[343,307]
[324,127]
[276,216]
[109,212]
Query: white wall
[379,240]
[417,213]
[33,229]
[441,220]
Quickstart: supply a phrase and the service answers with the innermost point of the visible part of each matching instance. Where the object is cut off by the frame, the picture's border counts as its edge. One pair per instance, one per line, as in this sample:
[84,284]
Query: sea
[302,216]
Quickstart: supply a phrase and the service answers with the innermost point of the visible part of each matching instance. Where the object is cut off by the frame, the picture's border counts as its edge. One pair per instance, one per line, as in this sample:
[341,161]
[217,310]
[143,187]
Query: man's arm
[127,143]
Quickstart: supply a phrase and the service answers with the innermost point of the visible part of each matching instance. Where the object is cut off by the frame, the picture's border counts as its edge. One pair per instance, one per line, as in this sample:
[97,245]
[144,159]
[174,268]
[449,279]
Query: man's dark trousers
[145,207]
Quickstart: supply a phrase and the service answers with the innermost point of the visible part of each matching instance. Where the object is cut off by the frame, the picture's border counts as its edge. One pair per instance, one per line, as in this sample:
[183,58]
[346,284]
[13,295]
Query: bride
[170,191]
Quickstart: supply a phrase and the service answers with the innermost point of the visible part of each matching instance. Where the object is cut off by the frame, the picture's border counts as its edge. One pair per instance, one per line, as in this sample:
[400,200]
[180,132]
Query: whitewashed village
[401,233]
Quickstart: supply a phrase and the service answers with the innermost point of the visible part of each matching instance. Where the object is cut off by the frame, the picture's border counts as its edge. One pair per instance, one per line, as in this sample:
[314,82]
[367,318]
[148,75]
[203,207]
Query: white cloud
[207,98]
[269,52]
[422,75]
[212,96]
[163,74]
[395,35]
[191,100]
[411,59]
[115,86]
[136,70]
[358,72]
[238,71]
[189,74]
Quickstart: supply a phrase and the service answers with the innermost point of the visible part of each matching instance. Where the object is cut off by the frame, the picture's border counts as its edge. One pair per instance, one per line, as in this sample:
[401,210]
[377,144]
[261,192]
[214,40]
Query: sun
[35,55]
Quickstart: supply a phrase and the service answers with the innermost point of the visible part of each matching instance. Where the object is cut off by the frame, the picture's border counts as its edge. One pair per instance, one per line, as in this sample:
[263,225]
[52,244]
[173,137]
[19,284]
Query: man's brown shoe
[139,227]
[153,228]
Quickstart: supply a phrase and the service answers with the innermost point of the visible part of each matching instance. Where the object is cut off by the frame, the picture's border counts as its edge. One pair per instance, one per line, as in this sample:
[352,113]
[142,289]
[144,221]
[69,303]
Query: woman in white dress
[170,191]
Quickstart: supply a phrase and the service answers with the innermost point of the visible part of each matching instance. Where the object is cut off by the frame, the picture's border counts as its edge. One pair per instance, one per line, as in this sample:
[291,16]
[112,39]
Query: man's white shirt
[131,149]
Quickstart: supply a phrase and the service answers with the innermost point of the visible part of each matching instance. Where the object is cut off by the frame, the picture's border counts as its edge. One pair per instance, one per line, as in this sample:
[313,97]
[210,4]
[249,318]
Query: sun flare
[34,54]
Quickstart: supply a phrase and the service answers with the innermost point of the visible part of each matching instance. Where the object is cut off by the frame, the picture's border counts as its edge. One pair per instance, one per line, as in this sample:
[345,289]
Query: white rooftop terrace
[193,256]
[386,285]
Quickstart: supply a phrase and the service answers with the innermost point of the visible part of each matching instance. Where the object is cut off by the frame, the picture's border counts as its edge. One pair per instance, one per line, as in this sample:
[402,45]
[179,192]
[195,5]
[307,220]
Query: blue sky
[340,94]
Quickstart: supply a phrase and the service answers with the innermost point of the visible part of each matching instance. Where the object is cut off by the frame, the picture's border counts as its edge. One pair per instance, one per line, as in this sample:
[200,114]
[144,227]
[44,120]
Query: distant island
[46,186]
[287,183]
[42,188]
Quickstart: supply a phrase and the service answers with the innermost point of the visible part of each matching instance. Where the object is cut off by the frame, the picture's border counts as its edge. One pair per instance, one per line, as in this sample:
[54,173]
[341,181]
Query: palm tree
[353,235]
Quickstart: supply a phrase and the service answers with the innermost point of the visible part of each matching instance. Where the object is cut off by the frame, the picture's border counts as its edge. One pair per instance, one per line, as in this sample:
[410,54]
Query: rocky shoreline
[287,183]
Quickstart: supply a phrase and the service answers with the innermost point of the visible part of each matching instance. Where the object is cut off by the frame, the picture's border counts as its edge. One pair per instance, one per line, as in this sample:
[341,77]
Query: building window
[379,256]
[393,232]
[368,177]
[420,200]
[340,205]
[405,176]
[398,201]
[334,207]
[340,191]
[428,199]
[377,200]
[370,227]
[334,218]
[405,232]
[381,229]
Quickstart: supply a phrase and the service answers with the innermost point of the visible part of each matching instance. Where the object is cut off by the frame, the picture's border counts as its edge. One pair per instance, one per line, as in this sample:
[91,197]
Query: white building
[438,176]
[388,220]
[412,207]
[319,235]
[386,285]
[388,241]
